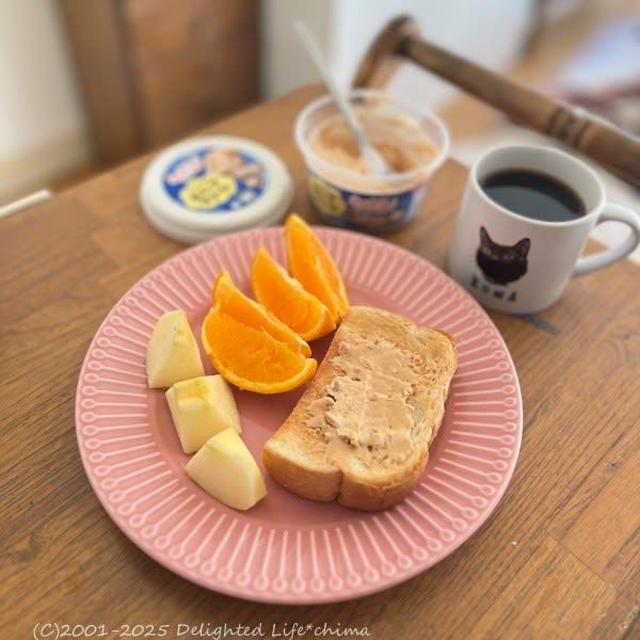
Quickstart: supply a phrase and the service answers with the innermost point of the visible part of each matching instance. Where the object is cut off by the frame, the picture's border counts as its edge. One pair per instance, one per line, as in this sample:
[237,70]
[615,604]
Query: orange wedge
[310,263]
[250,358]
[287,299]
[233,302]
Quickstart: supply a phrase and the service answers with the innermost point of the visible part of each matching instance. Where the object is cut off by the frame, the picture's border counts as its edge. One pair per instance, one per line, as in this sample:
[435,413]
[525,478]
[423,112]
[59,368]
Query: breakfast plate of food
[298,415]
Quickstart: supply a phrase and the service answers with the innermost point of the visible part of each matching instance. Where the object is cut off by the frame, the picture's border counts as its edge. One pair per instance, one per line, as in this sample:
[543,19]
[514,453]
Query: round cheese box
[207,186]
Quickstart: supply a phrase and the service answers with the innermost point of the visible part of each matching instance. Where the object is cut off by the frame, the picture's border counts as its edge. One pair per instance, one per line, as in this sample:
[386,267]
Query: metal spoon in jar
[371,156]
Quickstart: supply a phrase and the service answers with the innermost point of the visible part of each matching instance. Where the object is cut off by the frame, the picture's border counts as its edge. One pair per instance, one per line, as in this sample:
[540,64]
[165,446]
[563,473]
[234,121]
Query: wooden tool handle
[599,140]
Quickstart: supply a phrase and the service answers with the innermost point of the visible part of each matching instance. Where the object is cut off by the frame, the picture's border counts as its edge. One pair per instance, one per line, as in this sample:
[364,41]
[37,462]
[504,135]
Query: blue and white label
[215,180]
[369,212]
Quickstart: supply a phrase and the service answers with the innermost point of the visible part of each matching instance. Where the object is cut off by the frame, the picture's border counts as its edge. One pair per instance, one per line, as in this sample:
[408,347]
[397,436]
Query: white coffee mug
[518,264]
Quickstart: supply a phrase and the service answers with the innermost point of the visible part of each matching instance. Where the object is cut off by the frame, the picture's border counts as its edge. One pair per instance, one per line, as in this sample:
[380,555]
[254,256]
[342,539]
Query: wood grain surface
[560,557]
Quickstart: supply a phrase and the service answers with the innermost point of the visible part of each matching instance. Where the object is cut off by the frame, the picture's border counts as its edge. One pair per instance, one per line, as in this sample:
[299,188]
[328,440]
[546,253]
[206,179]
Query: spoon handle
[312,47]
[376,162]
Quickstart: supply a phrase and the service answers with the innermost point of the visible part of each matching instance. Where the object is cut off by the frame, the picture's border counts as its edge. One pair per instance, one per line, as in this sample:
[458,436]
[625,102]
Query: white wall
[284,64]
[43,131]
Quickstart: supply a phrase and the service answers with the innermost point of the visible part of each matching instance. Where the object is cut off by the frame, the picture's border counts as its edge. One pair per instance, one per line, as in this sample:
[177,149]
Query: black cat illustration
[502,264]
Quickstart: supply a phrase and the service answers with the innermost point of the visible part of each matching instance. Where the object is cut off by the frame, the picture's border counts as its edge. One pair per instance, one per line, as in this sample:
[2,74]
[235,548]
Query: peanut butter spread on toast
[371,405]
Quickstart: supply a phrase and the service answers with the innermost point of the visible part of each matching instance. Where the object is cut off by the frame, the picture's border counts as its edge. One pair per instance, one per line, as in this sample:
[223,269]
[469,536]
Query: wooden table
[560,558]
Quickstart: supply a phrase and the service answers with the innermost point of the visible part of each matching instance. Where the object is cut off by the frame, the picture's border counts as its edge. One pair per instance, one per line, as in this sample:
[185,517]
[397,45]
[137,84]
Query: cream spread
[400,139]
[370,404]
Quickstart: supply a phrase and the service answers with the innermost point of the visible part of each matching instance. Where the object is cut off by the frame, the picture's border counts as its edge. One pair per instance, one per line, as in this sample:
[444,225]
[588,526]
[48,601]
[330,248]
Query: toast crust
[320,485]
[330,462]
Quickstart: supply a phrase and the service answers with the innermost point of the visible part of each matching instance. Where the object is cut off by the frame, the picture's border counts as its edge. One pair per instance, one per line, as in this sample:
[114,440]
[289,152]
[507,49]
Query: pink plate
[287,549]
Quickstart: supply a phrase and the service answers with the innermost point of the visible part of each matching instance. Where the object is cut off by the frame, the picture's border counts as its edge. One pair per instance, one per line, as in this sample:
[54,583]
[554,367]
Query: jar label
[362,211]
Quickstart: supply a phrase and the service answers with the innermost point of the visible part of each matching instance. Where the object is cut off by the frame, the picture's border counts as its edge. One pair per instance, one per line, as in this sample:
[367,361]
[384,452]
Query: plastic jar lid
[204,187]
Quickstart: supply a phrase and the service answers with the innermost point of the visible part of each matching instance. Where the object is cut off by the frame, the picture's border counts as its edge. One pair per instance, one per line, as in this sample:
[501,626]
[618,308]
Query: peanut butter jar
[344,192]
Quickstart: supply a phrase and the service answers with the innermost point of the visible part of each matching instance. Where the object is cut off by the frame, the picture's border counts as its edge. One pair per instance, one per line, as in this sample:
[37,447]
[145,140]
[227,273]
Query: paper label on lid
[215,180]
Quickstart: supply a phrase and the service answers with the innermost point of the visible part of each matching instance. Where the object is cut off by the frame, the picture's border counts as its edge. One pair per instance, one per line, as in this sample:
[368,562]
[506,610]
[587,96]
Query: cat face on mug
[500,263]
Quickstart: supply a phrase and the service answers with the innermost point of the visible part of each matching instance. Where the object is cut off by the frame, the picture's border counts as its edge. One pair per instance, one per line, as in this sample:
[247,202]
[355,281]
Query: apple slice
[202,407]
[226,470]
[172,352]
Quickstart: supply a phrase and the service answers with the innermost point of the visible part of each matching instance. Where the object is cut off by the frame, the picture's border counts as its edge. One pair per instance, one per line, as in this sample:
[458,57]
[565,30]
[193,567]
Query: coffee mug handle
[615,213]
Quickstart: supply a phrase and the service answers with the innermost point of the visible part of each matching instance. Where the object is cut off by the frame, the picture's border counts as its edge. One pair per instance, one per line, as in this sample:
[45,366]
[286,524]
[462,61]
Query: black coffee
[534,195]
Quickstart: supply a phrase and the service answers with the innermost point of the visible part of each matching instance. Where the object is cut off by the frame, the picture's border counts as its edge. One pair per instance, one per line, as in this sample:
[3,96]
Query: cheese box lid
[207,186]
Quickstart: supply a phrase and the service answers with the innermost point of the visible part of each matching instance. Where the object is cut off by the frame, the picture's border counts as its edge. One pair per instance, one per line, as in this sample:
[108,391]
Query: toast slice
[361,431]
